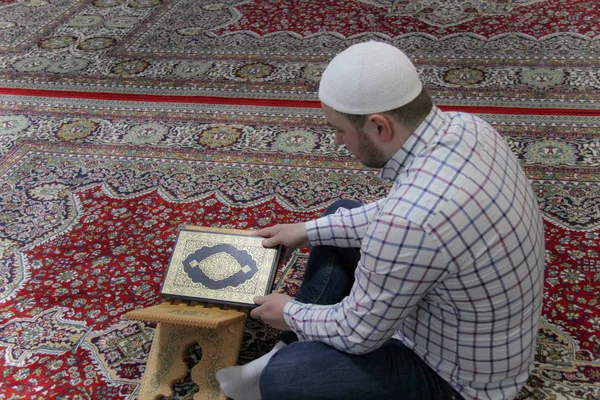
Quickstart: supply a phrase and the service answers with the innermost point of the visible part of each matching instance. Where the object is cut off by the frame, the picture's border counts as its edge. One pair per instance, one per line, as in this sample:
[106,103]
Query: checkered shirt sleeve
[451,261]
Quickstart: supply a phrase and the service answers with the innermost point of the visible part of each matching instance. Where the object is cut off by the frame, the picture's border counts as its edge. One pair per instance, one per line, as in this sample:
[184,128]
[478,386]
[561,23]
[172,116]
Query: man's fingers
[287,253]
[269,242]
[256,313]
[269,235]
[266,232]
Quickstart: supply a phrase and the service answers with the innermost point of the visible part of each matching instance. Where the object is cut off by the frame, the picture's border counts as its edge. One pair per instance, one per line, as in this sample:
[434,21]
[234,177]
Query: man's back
[477,325]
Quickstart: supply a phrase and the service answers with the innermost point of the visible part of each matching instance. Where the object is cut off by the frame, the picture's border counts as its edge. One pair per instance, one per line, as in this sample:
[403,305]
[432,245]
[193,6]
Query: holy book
[226,266]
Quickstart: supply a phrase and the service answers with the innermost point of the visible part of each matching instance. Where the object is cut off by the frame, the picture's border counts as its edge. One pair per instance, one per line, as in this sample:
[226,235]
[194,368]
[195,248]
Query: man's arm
[344,228]
[292,236]
[399,264]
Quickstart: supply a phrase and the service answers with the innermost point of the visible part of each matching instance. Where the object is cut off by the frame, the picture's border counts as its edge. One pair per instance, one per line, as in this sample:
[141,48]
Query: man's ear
[383,127]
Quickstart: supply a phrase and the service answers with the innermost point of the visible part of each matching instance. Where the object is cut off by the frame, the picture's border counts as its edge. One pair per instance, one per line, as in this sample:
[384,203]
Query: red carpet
[120,121]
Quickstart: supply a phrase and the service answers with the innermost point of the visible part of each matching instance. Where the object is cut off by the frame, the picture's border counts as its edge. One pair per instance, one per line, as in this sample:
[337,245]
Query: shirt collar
[434,121]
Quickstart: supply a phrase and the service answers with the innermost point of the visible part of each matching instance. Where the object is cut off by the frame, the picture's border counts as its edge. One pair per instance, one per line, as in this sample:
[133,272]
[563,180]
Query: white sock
[242,382]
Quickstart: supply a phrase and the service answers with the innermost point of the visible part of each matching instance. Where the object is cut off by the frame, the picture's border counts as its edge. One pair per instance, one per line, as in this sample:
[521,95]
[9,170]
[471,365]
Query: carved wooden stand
[218,331]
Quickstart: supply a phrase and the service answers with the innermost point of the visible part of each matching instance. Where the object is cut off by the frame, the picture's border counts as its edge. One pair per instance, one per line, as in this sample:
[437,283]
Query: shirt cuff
[291,308]
[316,228]
[312,231]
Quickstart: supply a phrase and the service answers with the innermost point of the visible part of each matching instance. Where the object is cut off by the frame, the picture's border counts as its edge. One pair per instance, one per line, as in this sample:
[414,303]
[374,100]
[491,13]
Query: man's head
[372,95]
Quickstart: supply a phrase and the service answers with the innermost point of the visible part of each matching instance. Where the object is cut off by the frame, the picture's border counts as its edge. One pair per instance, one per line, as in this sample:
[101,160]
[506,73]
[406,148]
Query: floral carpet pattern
[93,193]
[516,53]
[218,130]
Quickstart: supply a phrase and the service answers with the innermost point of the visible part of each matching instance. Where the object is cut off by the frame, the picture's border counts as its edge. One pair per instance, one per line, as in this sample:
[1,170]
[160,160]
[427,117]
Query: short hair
[410,115]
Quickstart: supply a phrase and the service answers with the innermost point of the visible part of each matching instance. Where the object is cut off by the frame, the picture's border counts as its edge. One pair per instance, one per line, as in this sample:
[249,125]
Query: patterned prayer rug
[516,53]
[92,194]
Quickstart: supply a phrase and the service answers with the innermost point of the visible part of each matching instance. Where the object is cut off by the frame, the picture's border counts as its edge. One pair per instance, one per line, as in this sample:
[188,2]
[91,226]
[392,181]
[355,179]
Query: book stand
[217,329]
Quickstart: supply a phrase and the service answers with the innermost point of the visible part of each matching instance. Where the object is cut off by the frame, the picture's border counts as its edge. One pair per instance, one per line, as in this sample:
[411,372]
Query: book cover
[220,266]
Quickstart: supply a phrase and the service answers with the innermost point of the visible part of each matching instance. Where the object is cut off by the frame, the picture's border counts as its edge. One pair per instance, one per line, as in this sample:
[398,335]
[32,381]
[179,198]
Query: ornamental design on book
[220,266]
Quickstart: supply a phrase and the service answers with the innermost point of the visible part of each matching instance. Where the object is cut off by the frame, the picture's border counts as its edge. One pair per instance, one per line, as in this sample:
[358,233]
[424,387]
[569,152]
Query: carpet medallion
[518,53]
[93,194]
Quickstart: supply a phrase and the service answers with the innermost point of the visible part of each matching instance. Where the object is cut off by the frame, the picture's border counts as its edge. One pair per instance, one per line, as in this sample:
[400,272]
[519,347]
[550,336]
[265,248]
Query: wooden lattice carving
[217,329]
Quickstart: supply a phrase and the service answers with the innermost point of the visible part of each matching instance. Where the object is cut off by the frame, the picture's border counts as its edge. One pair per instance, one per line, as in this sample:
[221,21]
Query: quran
[226,266]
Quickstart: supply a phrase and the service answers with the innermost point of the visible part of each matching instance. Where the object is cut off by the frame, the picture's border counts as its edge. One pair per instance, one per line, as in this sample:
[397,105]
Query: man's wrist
[290,309]
[312,231]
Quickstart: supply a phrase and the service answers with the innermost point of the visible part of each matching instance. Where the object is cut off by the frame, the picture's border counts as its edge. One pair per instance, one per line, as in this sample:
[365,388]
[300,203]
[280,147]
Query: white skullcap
[368,78]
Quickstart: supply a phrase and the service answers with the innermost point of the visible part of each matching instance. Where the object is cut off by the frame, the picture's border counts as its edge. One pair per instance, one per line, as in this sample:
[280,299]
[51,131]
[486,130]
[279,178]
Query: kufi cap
[369,77]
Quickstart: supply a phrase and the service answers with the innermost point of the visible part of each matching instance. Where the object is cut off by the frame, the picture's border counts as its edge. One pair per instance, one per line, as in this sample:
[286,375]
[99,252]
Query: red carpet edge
[275,102]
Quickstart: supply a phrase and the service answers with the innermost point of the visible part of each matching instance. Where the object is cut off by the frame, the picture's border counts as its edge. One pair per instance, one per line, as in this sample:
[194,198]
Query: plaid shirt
[451,261]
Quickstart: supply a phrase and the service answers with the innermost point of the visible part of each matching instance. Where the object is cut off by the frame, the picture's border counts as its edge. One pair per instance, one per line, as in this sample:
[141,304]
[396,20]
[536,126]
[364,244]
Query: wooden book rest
[217,329]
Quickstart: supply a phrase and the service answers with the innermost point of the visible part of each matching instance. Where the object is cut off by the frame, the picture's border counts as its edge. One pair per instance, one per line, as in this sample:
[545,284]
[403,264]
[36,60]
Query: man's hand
[292,236]
[270,310]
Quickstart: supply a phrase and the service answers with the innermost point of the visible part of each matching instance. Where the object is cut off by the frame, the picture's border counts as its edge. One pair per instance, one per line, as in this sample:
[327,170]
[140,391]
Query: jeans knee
[343,203]
[270,381]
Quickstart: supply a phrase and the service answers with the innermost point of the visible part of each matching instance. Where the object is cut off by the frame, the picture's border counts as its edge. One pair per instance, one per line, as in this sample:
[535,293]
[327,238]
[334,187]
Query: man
[433,292]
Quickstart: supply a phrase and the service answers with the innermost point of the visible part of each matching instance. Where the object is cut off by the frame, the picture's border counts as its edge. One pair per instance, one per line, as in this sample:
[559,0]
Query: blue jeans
[313,370]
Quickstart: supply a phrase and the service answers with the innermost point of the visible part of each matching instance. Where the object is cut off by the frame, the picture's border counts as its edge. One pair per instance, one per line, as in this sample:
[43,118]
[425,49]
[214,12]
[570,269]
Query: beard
[367,153]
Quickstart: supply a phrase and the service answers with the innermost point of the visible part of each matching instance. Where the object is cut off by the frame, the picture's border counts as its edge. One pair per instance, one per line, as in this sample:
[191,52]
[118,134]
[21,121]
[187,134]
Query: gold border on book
[177,283]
